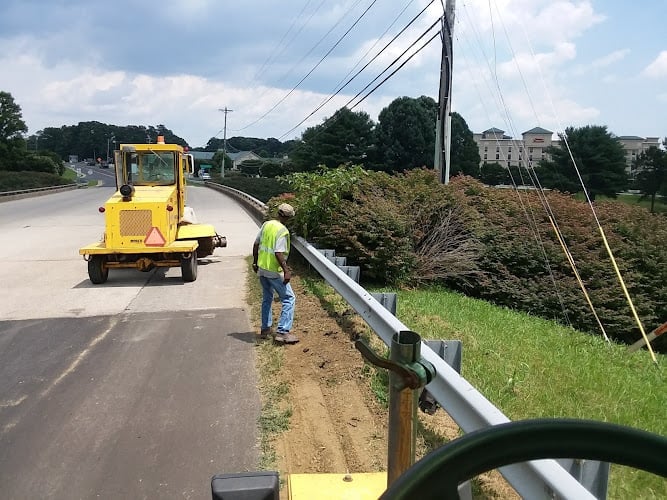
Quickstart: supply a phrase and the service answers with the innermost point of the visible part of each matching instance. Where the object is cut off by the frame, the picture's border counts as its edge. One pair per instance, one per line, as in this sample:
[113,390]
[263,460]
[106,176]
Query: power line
[313,69]
[273,54]
[312,14]
[326,101]
[337,115]
[394,62]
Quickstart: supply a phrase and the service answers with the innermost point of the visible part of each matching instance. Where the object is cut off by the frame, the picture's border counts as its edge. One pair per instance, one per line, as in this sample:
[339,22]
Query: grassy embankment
[634,199]
[529,367]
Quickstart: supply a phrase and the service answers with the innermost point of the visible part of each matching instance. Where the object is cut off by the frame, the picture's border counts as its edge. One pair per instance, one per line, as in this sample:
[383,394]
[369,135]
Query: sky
[282,66]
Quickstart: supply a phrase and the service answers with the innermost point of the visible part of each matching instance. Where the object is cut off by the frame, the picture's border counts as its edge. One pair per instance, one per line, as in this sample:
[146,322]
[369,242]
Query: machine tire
[189,267]
[205,247]
[97,273]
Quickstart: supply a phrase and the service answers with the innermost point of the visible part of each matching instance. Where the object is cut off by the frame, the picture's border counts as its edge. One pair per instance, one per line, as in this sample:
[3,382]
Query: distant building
[634,146]
[241,156]
[496,147]
[202,155]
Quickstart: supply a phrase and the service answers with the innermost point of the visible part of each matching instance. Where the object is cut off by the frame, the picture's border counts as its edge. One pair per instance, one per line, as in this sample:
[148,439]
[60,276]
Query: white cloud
[63,73]
[610,58]
[658,68]
[528,22]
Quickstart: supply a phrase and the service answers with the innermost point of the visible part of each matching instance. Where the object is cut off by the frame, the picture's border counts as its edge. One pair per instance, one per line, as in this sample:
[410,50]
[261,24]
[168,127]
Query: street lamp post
[111,138]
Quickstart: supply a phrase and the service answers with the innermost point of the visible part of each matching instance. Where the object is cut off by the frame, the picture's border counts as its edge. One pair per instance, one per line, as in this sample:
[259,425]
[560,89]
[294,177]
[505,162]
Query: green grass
[532,368]
[529,367]
[275,413]
[69,175]
[633,199]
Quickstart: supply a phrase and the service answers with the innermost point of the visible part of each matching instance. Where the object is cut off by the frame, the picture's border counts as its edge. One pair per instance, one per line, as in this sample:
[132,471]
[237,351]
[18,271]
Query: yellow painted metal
[129,222]
[153,147]
[194,231]
[143,228]
[177,246]
[362,486]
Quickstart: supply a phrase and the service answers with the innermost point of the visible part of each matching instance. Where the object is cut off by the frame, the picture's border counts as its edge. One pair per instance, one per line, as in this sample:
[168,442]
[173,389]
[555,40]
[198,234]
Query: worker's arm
[255,256]
[283,263]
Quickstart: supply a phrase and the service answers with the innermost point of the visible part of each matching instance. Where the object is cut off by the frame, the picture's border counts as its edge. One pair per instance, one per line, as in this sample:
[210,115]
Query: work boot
[264,333]
[285,338]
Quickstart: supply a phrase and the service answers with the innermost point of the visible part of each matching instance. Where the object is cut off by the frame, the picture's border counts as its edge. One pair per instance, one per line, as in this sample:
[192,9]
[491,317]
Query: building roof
[242,154]
[631,138]
[538,130]
[202,155]
[494,130]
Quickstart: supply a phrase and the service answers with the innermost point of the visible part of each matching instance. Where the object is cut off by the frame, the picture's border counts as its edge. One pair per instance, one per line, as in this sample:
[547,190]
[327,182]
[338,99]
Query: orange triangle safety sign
[154,238]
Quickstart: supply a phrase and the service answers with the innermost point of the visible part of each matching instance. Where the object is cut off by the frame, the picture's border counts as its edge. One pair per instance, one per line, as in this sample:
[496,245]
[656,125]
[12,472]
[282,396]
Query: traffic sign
[154,238]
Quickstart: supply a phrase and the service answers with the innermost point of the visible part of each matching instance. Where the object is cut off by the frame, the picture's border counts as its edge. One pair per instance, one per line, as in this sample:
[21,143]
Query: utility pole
[112,139]
[444,120]
[224,140]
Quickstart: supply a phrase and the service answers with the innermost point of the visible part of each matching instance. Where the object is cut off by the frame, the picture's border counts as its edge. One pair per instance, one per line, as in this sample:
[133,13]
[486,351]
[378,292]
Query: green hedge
[14,181]
[258,187]
[494,244]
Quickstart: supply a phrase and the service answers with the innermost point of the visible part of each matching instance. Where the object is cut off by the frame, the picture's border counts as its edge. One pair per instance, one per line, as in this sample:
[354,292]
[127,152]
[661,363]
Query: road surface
[143,387]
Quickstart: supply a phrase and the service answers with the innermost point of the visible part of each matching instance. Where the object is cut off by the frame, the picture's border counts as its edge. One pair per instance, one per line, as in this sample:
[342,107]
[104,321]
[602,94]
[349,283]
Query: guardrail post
[353,272]
[327,252]
[388,300]
[408,373]
[593,475]
[338,261]
[405,348]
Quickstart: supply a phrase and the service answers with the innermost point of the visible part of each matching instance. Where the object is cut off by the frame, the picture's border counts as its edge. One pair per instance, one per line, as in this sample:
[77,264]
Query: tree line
[402,139]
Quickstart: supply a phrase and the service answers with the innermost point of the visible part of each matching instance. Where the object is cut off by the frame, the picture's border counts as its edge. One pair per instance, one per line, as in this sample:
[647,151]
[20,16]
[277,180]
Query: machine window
[155,168]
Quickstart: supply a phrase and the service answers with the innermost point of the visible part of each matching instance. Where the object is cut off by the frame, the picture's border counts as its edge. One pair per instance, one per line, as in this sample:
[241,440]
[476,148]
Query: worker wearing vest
[269,261]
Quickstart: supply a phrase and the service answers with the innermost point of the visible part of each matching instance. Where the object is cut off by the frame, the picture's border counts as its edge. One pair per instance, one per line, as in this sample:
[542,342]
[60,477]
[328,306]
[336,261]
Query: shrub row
[14,181]
[495,244]
[258,187]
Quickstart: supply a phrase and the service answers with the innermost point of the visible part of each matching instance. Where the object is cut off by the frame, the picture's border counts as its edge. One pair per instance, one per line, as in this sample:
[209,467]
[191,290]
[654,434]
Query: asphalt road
[143,387]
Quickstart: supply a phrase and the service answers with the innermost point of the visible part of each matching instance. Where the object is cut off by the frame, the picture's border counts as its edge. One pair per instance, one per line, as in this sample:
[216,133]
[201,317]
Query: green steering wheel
[438,474]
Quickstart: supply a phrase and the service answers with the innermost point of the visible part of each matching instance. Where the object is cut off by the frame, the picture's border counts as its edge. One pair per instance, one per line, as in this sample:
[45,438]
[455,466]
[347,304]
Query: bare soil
[337,424]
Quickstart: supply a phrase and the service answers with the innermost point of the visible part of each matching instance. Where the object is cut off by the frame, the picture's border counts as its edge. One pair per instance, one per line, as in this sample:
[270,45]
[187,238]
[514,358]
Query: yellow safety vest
[272,231]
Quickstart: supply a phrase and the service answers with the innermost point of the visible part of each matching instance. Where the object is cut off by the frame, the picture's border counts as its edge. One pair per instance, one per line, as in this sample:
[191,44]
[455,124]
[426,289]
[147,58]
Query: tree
[599,156]
[405,134]
[345,138]
[464,153]
[250,167]
[652,173]
[276,168]
[493,174]
[12,128]
[217,160]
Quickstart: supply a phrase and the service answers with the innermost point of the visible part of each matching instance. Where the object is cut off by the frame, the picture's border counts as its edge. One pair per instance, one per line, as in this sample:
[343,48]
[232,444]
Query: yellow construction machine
[147,222]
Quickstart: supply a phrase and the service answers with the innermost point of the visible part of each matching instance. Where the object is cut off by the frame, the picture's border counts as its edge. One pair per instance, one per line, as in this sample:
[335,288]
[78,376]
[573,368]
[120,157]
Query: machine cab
[149,165]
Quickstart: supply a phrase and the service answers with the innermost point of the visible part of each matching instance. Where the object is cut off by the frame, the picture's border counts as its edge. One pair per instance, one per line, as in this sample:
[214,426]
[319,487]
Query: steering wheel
[439,473]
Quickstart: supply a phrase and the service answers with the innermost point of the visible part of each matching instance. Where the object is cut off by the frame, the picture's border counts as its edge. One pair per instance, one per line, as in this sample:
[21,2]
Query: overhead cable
[312,69]
[395,61]
[339,90]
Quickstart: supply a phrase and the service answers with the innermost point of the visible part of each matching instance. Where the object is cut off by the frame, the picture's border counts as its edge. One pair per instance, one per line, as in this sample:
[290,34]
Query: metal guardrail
[26,193]
[538,479]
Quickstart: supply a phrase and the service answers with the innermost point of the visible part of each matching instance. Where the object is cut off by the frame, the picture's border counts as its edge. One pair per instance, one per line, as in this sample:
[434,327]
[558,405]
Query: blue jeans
[287,299]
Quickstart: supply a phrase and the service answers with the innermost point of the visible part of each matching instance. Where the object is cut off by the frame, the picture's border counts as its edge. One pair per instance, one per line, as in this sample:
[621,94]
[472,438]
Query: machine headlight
[127,191]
